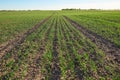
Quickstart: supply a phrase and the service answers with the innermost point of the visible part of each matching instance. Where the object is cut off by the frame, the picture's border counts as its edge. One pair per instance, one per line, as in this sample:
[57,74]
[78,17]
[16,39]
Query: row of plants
[90,58]
[57,50]
[107,29]
[15,23]
[15,64]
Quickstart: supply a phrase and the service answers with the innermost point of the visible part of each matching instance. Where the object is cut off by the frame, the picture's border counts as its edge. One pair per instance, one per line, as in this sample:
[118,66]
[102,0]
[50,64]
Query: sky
[58,4]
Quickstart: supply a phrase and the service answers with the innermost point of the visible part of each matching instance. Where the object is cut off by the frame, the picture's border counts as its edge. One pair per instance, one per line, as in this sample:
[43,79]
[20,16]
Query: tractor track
[19,39]
[106,45]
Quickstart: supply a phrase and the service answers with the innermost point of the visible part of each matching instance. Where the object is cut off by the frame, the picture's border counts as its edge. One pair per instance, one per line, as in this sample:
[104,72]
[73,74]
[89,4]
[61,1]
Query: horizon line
[53,9]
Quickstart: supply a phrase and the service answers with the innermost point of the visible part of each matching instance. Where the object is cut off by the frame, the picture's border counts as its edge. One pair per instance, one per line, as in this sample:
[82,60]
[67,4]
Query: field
[60,45]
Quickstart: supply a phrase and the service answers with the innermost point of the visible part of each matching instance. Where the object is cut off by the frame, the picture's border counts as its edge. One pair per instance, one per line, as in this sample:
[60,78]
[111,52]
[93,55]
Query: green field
[60,45]
[104,23]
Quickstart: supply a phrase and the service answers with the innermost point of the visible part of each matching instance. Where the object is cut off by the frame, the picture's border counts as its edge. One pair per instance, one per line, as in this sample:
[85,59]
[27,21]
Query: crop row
[107,29]
[15,64]
[13,23]
[57,50]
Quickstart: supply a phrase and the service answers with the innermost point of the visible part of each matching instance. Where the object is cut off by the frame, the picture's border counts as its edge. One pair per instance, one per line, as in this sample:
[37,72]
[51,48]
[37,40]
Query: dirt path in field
[4,49]
[55,66]
[107,46]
